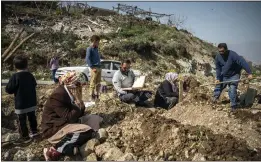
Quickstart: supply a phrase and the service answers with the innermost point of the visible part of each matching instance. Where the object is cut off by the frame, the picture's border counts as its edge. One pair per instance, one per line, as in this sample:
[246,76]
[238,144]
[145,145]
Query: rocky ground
[192,130]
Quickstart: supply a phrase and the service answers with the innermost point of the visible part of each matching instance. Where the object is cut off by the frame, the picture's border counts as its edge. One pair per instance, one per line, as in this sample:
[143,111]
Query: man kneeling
[124,78]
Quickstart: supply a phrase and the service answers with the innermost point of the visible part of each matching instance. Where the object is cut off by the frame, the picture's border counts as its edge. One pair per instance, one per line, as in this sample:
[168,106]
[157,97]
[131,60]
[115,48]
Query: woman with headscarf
[167,93]
[63,121]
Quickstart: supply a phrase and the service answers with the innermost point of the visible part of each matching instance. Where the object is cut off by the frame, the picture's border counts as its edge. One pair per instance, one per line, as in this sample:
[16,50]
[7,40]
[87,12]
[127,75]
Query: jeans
[232,91]
[53,75]
[139,96]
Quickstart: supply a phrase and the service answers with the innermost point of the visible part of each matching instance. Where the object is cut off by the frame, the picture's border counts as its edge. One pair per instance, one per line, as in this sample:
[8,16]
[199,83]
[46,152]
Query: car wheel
[86,78]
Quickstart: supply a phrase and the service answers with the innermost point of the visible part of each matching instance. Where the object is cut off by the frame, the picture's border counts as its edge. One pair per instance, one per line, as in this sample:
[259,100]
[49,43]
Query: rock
[30,156]
[4,130]
[12,137]
[103,135]
[100,150]
[7,156]
[171,158]
[128,157]
[20,156]
[113,154]
[186,154]
[199,157]
[88,148]
[48,93]
[92,157]
[161,154]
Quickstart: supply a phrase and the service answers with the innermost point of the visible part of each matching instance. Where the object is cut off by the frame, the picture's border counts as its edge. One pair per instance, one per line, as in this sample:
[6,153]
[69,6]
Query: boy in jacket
[23,85]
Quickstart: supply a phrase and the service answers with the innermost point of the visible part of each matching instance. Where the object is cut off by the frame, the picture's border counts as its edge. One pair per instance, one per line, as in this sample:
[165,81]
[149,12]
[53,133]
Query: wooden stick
[229,81]
[11,53]
[13,42]
[180,91]
[90,28]
[94,23]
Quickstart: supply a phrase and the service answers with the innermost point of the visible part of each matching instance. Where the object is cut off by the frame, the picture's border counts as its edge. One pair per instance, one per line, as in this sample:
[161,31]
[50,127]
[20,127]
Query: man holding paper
[123,82]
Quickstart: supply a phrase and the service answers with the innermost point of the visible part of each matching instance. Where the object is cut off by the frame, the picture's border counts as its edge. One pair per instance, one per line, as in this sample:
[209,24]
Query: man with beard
[124,78]
[228,67]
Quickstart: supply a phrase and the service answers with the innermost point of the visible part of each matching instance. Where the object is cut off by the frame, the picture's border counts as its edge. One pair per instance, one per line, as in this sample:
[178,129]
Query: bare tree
[177,20]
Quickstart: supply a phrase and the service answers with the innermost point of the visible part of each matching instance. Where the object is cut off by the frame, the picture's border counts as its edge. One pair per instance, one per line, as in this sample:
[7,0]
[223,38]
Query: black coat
[164,91]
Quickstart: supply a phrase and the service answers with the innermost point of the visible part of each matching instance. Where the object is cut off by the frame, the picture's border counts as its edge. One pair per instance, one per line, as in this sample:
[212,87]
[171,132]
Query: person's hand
[80,104]
[250,76]
[94,70]
[217,81]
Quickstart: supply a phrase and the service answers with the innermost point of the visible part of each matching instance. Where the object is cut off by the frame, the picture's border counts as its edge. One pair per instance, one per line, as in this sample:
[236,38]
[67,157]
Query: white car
[109,67]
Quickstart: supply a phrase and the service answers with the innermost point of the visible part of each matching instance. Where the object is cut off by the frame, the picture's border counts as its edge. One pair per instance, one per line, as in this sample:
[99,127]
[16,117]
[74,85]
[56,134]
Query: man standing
[94,62]
[124,78]
[228,67]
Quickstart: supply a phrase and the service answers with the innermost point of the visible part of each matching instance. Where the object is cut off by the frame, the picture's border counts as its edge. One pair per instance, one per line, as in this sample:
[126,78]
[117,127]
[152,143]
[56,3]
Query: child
[23,85]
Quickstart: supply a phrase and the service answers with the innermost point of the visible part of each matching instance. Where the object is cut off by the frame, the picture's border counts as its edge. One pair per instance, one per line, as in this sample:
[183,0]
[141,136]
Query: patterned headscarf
[171,77]
[72,79]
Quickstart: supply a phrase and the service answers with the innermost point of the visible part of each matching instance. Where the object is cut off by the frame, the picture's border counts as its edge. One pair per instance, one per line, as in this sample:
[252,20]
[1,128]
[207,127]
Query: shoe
[171,105]
[214,100]
[23,140]
[51,154]
[141,104]
[233,108]
[34,135]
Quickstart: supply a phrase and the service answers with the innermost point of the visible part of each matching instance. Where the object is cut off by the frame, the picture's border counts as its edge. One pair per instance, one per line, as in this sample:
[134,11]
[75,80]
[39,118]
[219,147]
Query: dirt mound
[147,134]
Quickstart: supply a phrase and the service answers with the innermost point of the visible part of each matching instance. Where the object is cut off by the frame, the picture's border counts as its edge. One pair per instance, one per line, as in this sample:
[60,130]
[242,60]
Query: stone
[89,147]
[12,137]
[186,154]
[128,157]
[199,157]
[100,150]
[92,157]
[171,158]
[113,154]
[20,156]
[103,135]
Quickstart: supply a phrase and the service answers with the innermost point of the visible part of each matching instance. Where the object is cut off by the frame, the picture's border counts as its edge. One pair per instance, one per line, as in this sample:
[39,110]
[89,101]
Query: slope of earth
[68,37]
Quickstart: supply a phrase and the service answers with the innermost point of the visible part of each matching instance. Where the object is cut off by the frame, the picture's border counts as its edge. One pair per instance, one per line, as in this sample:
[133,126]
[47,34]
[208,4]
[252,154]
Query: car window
[116,66]
[106,65]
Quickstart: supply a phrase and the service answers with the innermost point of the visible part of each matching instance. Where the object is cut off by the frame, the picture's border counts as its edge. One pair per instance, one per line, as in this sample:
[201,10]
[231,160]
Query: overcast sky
[236,23]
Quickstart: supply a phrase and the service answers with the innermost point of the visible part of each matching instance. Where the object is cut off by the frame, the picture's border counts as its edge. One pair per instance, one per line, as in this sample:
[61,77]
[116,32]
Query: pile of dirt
[147,134]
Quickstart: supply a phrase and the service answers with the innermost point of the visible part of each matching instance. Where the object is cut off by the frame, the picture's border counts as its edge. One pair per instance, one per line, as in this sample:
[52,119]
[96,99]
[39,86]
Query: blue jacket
[92,57]
[230,67]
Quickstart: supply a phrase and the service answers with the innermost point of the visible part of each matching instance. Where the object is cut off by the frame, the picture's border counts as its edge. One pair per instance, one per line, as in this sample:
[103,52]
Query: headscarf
[72,79]
[72,82]
[171,77]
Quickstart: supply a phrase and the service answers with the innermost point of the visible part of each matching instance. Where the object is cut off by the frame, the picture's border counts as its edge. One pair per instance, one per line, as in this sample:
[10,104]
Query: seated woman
[63,121]
[167,93]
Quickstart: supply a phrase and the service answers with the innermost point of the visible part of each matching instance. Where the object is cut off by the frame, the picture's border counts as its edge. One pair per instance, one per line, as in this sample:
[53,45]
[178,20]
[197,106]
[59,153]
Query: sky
[236,23]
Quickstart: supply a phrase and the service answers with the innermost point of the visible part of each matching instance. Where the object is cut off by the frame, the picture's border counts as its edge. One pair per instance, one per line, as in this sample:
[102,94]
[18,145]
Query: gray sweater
[120,81]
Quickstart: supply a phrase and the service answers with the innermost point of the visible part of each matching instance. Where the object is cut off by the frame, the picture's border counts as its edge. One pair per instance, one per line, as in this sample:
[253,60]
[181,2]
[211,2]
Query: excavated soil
[193,130]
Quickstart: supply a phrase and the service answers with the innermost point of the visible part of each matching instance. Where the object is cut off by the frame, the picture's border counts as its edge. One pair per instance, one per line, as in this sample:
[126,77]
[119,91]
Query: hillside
[192,130]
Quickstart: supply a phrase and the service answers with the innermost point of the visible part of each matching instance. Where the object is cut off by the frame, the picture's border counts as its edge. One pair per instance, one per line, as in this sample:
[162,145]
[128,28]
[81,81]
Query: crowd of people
[65,124]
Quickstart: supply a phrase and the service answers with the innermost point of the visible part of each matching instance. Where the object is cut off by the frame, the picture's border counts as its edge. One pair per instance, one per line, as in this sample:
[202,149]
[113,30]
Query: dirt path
[245,124]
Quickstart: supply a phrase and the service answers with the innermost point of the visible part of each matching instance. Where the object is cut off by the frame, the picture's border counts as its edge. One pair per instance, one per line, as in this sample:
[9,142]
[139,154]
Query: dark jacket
[230,65]
[163,91]
[23,86]
[93,57]
[59,111]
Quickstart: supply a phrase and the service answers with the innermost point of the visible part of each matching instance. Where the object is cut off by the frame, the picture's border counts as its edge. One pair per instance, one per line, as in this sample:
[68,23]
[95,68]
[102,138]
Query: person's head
[171,77]
[125,65]
[95,40]
[20,62]
[222,48]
